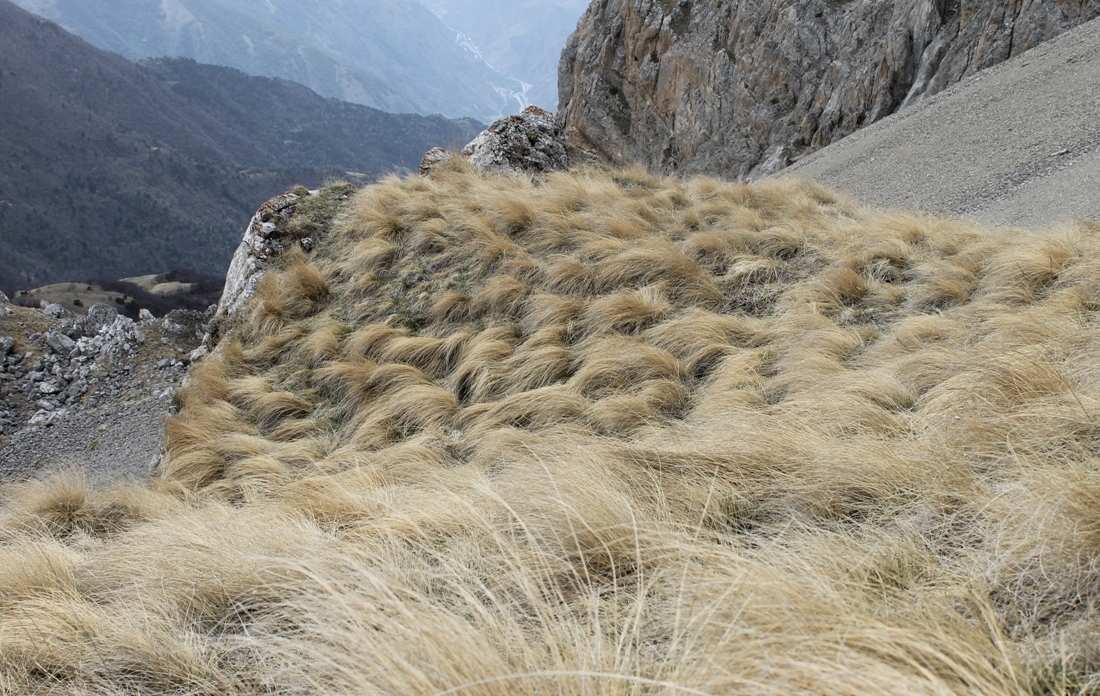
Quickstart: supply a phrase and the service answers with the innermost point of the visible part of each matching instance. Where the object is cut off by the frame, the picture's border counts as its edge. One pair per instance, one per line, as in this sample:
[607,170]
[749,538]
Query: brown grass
[603,433]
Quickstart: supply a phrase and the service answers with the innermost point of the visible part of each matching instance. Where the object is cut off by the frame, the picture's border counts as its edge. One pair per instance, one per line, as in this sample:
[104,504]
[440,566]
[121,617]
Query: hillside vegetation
[605,433]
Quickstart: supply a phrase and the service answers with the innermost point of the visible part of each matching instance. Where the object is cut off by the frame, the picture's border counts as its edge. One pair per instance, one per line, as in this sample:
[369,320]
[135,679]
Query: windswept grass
[603,433]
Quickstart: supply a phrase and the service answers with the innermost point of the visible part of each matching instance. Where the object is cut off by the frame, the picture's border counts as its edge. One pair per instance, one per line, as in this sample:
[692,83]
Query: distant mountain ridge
[393,55]
[111,168]
[521,39]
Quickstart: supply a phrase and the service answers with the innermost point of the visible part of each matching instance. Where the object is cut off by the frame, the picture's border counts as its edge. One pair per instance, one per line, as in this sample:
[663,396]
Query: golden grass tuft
[603,433]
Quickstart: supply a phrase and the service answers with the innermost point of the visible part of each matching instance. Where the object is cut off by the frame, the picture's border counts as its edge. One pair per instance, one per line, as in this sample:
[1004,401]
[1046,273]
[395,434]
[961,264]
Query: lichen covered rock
[431,159]
[528,143]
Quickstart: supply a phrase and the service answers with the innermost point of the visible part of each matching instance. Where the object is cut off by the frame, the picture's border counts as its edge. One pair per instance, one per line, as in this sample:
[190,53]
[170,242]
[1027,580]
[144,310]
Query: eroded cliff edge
[743,87]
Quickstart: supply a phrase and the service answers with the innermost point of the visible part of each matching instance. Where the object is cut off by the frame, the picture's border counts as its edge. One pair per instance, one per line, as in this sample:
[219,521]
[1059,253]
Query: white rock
[256,249]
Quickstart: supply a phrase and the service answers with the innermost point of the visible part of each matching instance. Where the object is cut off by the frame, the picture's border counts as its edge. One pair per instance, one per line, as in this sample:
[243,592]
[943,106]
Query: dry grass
[604,433]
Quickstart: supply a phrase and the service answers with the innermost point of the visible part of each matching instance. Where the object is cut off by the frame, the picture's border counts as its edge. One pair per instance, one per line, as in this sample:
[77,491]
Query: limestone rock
[99,316]
[528,143]
[59,343]
[54,310]
[6,344]
[4,299]
[257,248]
[743,87]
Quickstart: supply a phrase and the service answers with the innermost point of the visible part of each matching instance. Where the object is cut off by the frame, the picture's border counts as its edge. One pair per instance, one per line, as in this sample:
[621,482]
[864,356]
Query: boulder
[99,316]
[6,345]
[432,158]
[528,143]
[54,310]
[4,299]
[59,343]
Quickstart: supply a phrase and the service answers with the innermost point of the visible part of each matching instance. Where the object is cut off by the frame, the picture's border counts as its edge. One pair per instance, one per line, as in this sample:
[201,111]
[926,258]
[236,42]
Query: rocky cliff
[743,87]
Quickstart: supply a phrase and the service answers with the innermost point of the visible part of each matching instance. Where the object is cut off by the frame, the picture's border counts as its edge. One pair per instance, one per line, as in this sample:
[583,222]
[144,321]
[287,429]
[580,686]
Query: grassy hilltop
[607,433]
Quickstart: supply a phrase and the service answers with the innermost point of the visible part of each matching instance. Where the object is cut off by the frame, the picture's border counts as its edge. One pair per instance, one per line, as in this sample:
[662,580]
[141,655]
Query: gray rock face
[257,248]
[4,299]
[54,310]
[529,143]
[744,87]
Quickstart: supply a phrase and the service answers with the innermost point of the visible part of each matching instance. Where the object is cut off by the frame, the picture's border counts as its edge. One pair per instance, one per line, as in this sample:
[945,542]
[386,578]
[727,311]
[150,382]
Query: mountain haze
[113,168]
[522,39]
[393,55]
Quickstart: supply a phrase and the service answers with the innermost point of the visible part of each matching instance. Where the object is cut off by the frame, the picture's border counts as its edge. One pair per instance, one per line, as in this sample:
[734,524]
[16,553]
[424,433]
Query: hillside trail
[1016,145]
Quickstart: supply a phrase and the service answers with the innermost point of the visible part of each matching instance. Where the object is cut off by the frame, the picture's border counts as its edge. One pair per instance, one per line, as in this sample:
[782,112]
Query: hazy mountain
[111,168]
[522,39]
[390,54]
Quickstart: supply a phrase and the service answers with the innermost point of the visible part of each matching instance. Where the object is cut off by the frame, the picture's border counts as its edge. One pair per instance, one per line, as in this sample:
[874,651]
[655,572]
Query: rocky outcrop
[743,87]
[58,368]
[530,143]
[259,245]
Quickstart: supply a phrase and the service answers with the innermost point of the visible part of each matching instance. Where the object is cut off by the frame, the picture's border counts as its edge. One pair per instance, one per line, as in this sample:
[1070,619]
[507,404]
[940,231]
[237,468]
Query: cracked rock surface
[743,87]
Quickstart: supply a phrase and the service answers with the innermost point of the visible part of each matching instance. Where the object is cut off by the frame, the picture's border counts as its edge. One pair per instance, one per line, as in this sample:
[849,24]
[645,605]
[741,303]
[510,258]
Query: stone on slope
[99,315]
[527,143]
[431,158]
[743,87]
[59,343]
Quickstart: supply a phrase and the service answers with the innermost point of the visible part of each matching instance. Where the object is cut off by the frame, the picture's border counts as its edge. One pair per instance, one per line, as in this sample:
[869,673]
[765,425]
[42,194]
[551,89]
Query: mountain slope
[743,87]
[116,169]
[389,54]
[1017,145]
[604,433]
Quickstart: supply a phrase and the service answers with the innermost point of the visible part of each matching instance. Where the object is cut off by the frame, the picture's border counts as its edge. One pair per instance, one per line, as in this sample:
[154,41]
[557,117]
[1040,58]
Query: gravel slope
[97,407]
[1015,145]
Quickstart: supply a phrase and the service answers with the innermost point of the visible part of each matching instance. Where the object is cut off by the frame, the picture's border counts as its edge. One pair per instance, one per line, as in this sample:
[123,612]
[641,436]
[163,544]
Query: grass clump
[603,433]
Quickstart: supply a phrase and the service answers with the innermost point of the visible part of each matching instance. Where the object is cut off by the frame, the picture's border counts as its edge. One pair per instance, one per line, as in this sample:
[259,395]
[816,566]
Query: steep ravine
[742,88]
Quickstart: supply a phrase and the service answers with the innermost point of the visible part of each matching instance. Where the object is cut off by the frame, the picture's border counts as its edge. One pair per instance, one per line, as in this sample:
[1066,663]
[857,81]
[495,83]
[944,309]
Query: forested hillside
[111,168]
[390,54]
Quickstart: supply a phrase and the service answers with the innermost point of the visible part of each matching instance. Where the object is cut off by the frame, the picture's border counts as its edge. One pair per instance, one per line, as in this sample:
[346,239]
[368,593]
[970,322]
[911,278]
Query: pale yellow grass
[603,433]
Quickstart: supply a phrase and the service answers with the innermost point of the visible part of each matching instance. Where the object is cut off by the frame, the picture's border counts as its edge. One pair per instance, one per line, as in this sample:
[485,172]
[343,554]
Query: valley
[110,168]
